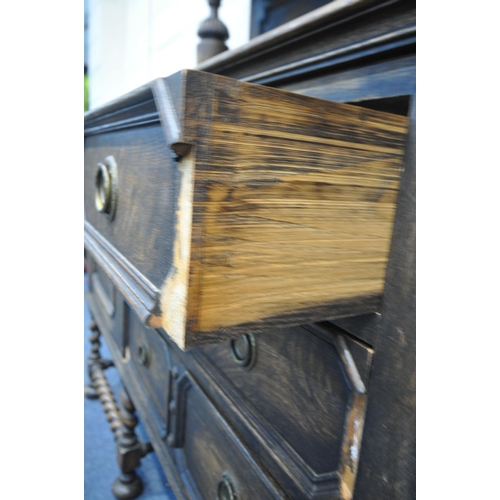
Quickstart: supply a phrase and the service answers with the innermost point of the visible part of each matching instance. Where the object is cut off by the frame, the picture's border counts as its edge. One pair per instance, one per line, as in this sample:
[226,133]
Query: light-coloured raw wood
[293,201]
[175,292]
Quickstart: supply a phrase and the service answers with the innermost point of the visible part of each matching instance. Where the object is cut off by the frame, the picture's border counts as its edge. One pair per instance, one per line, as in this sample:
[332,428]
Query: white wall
[131,42]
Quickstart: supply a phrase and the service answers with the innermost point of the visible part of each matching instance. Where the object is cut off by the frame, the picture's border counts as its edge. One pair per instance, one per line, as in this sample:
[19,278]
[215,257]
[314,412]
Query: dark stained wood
[320,19]
[387,467]
[144,163]
[93,358]
[377,81]
[137,289]
[323,410]
[209,449]
[102,295]
[147,354]
[128,485]
[282,360]
[352,33]
[317,404]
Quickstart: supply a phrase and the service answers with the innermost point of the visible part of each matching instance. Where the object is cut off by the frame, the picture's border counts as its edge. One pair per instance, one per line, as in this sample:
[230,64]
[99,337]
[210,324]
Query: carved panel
[211,460]
[149,358]
[305,423]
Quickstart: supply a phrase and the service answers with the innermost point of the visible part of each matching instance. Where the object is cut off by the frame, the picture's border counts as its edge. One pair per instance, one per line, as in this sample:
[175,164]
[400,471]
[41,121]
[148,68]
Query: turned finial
[213,34]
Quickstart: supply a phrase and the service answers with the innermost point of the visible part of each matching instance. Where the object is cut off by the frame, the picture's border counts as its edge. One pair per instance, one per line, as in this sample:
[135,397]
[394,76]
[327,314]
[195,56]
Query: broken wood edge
[171,312]
[351,445]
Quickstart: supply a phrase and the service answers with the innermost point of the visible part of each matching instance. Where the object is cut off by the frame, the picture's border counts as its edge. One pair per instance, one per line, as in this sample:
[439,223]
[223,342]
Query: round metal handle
[243,350]
[225,488]
[102,188]
[106,186]
[143,354]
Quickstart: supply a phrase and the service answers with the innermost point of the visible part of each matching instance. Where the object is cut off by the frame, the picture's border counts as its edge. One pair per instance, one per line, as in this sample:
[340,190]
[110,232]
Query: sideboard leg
[127,411]
[93,358]
[128,484]
[129,451]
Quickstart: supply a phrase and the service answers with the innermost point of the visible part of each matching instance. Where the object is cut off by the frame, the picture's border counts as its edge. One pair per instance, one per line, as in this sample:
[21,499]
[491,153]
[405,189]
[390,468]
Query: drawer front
[103,288]
[209,456]
[307,391]
[142,225]
[102,300]
[148,356]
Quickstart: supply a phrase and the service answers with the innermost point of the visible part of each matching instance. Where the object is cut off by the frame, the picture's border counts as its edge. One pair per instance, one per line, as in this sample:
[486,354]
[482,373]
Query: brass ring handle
[106,187]
[102,188]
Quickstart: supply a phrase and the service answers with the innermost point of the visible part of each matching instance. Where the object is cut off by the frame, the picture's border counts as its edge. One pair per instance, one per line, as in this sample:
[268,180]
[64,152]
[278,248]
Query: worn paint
[298,205]
[351,446]
[174,294]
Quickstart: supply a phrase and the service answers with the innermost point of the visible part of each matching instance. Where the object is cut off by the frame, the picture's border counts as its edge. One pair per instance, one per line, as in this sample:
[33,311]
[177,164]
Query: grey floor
[101,467]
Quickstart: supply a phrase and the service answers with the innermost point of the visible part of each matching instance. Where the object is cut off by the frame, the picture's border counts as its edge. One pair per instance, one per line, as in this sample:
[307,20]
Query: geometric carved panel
[209,453]
[304,399]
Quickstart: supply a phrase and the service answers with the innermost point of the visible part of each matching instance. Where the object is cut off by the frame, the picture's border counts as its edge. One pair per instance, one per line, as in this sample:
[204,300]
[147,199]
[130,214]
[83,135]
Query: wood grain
[210,449]
[295,198]
[277,211]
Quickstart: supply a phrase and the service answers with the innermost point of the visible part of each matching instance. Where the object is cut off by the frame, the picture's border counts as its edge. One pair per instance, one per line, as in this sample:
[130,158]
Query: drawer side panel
[297,199]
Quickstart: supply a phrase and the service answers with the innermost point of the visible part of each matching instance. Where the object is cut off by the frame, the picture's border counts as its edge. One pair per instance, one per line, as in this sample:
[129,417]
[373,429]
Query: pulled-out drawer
[219,207]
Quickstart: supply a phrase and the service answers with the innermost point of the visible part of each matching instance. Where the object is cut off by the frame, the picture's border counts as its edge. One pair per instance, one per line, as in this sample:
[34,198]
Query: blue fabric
[101,467]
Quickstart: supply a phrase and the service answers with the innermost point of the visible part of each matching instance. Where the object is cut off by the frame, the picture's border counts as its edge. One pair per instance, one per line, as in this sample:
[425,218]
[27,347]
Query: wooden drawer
[102,299]
[307,422]
[228,207]
[141,228]
[210,458]
[147,356]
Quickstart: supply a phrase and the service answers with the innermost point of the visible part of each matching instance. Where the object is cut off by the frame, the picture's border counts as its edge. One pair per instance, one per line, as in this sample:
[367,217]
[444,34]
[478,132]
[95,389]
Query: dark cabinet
[313,406]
